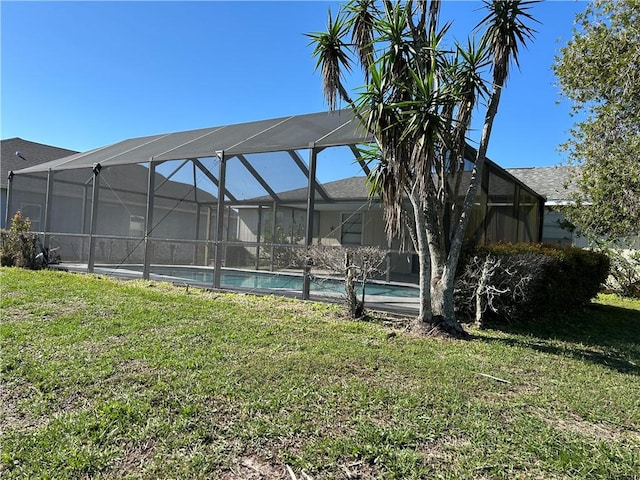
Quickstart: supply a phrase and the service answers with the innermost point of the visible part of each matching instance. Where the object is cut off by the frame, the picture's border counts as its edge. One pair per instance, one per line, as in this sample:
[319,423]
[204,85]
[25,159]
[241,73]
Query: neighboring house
[555,184]
[17,154]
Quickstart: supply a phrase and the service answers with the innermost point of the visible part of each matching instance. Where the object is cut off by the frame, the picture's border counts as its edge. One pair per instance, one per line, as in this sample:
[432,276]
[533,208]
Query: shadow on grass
[601,334]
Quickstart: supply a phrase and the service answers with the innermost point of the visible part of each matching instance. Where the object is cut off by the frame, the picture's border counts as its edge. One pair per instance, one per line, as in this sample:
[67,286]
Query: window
[351,229]
[34,214]
[136,226]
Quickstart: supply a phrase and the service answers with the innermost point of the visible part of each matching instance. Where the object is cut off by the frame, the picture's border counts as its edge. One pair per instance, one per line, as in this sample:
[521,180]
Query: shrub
[18,246]
[356,264]
[624,278]
[515,282]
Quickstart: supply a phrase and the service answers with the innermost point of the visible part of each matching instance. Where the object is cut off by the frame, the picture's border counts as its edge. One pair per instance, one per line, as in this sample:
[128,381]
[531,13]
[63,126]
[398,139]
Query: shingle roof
[352,188]
[554,183]
[34,154]
[356,189]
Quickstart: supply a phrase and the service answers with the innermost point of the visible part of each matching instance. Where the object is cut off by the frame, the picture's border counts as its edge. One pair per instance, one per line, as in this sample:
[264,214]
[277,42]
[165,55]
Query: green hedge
[526,282]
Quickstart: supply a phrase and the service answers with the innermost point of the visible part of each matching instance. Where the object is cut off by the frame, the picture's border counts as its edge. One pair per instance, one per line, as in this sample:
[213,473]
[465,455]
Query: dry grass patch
[598,430]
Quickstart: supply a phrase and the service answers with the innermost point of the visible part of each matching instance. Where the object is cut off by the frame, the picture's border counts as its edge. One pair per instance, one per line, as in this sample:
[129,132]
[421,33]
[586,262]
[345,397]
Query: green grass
[112,379]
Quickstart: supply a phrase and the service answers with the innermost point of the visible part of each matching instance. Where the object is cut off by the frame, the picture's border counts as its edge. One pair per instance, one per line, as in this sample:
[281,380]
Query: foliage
[522,282]
[355,264]
[108,379]
[18,246]
[598,71]
[624,276]
[417,102]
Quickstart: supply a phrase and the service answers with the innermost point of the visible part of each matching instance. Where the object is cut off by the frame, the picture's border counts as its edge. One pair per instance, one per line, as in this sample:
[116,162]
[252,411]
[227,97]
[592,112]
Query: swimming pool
[257,280]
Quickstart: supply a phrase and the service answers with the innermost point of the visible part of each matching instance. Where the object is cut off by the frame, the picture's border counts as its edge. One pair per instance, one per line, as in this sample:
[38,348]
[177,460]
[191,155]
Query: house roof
[296,132]
[356,189]
[33,153]
[554,183]
[346,189]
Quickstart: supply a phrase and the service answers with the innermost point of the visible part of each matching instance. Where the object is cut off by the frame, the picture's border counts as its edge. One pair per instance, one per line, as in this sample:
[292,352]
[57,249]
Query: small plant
[357,265]
[18,246]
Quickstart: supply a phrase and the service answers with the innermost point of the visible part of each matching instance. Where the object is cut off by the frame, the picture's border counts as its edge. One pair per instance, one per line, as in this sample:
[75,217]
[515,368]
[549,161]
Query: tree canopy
[599,71]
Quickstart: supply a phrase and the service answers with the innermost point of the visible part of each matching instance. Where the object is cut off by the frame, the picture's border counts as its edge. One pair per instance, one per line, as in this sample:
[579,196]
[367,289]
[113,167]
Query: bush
[18,246]
[356,264]
[624,278]
[515,282]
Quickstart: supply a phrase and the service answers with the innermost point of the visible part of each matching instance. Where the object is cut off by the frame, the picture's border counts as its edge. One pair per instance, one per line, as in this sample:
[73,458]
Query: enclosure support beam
[540,219]
[274,224]
[208,235]
[358,155]
[213,179]
[258,237]
[94,218]
[83,222]
[9,194]
[47,209]
[196,247]
[170,176]
[151,188]
[258,177]
[516,212]
[308,238]
[303,167]
[222,174]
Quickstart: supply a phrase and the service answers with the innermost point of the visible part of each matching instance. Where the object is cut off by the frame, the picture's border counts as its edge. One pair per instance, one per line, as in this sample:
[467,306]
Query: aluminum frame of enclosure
[234,198]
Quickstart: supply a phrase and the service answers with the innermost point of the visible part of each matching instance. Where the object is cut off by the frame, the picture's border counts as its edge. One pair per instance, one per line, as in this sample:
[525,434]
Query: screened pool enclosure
[235,200]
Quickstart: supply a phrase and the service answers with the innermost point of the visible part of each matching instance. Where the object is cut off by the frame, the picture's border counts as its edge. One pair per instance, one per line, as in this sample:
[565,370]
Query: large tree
[418,100]
[599,71]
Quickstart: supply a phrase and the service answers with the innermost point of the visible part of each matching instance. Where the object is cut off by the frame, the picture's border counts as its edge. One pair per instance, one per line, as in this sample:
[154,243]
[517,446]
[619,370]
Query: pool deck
[393,304]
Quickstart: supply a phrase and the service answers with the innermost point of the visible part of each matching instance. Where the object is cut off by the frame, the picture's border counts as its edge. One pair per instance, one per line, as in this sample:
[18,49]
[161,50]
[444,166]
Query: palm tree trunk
[448,279]
[443,320]
[425,314]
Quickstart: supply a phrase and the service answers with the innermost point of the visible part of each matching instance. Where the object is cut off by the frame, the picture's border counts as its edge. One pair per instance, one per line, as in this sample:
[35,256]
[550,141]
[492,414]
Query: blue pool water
[276,281]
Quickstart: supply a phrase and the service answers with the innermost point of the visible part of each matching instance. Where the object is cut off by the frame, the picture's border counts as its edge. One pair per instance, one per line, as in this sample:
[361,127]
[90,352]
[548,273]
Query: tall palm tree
[506,31]
[417,101]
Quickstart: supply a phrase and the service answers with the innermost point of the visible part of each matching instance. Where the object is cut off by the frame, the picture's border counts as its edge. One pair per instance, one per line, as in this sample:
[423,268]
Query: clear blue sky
[81,75]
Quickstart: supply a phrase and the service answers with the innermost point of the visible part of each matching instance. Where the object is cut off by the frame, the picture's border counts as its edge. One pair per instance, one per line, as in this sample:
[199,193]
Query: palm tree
[417,101]
[505,33]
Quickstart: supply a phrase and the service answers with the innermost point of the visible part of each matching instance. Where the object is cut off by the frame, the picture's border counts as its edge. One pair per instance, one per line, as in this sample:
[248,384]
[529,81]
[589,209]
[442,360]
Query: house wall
[329,228]
[555,234]
[114,219]
[327,232]
[248,225]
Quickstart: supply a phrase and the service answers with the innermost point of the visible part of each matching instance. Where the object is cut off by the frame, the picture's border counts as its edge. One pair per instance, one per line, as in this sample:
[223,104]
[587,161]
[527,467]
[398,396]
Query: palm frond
[506,31]
[333,56]
[362,21]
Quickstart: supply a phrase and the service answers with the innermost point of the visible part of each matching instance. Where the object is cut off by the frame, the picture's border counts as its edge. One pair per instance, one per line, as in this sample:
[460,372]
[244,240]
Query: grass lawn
[110,379]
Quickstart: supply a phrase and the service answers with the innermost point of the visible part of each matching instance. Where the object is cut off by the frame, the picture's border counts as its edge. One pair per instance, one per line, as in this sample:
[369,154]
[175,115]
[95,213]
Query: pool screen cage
[224,201]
